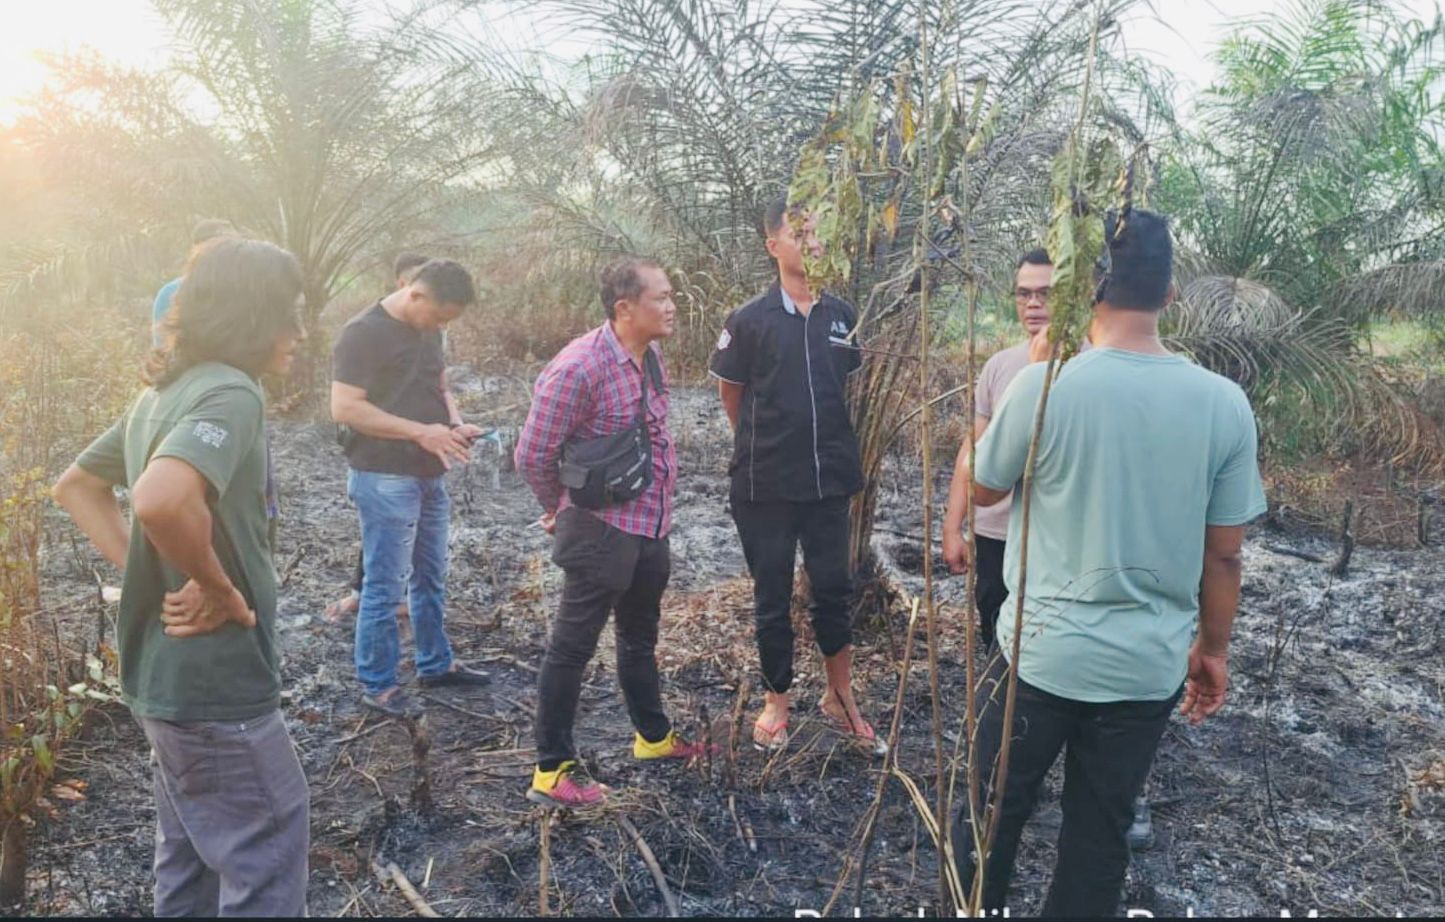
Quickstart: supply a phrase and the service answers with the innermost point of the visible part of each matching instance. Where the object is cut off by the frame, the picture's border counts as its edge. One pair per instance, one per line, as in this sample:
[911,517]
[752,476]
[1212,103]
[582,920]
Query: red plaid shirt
[593,388]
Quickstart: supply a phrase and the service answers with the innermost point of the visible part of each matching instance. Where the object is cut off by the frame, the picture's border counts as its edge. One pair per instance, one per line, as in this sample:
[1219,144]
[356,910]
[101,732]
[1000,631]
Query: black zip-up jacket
[794,439]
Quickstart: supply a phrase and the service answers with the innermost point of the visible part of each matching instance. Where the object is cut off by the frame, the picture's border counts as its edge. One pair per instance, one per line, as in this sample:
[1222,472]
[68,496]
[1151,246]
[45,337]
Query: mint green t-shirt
[1138,454]
[212,417]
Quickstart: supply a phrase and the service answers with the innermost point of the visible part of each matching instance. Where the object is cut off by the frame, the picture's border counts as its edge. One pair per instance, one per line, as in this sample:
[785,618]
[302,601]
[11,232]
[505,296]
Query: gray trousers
[232,818]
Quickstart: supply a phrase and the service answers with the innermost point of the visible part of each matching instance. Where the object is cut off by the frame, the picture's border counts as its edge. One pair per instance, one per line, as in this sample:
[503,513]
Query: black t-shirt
[794,439]
[376,352]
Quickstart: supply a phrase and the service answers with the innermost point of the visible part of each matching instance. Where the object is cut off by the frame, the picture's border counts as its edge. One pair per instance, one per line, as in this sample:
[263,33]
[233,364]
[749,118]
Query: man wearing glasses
[1032,278]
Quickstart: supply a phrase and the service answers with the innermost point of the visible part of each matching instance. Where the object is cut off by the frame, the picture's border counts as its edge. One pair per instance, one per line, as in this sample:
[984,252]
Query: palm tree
[693,113]
[330,129]
[1310,200]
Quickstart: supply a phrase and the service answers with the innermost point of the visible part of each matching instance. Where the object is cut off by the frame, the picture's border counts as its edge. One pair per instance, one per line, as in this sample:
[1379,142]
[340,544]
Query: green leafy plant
[1309,201]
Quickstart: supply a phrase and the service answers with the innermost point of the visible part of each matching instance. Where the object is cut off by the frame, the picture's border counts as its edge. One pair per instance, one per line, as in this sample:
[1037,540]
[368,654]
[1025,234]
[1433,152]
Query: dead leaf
[1431,778]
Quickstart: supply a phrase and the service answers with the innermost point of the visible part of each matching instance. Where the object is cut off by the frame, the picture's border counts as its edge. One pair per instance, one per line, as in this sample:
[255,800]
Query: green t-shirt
[212,417]
[1138,454]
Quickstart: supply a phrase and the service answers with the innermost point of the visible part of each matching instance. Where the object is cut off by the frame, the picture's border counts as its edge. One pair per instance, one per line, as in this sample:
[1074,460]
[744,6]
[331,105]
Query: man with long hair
[782,363]
[199,654]
[389,387]
[1146,475]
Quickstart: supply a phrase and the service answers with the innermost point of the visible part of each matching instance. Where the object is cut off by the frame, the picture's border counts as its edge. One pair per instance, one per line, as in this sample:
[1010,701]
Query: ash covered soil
[1318,787]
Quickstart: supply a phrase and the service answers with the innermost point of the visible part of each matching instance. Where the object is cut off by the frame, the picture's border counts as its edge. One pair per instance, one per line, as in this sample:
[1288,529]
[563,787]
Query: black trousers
[989,590]
[771,533]
[1108,749]
[605,569]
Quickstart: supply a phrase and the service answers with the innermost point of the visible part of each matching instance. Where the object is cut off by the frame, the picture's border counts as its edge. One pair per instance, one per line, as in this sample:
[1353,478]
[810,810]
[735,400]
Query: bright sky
[1178,33]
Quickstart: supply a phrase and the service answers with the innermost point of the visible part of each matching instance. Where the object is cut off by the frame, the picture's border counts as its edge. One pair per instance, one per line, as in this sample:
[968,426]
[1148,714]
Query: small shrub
[62,385]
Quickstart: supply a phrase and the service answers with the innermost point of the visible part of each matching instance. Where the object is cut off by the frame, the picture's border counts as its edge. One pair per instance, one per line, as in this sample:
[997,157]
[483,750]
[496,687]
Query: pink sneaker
[566,786]
[671,746]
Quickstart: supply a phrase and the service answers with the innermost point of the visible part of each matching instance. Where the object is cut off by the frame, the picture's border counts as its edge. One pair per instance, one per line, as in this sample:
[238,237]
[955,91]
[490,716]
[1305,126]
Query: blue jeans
[404,544]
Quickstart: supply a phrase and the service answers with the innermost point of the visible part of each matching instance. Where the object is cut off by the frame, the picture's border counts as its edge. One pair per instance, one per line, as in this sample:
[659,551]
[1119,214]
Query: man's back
[1138,454]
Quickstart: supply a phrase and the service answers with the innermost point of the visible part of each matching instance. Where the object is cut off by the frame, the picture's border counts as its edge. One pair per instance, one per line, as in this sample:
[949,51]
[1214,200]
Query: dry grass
[62,386]
[1391,510]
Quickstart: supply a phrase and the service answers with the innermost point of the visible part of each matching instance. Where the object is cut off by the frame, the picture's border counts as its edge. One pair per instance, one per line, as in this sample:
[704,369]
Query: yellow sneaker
[671,746]
[566,786]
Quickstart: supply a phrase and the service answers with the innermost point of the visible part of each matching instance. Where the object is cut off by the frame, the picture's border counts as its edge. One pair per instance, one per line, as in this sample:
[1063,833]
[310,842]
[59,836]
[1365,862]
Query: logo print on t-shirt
[839,327]
[211,434]
[724,340]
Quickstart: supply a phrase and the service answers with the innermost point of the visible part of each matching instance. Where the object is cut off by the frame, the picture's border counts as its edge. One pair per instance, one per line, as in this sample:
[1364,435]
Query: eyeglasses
[1026,295]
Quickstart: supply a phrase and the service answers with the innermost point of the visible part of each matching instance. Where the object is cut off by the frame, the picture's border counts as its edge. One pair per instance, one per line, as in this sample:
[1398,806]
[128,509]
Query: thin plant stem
[970,636]
[1000,776]
[921,261]
[889,761]
[971,576]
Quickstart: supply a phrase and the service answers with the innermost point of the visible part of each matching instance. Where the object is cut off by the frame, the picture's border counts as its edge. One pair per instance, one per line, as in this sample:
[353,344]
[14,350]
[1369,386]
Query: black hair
[210,229]
[1038,256]
[774,214]
[621,281]
[1135,271]
[236,298]
[447,281]
[405,262]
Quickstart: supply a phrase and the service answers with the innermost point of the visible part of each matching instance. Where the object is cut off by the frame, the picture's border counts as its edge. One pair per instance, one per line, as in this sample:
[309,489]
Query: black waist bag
[612,469]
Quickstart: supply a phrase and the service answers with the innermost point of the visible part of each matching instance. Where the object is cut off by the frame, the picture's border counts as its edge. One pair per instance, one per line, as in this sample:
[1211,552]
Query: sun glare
[1175,34]
[125,31]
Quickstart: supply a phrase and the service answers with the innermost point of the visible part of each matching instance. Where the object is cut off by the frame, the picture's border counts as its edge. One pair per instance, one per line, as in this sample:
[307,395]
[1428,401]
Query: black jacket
[794,439]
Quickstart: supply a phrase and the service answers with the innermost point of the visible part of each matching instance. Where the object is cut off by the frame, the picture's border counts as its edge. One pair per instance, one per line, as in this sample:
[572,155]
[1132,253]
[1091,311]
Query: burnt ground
[1318,787]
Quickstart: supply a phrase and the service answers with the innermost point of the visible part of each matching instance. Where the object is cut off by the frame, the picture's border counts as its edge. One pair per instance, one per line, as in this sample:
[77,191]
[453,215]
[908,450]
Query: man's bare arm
[958,491]
[1207,682]
[169,501]
[732,401]
[170,506]
[1219,587]
[350,407]
[91,502]
[955,548]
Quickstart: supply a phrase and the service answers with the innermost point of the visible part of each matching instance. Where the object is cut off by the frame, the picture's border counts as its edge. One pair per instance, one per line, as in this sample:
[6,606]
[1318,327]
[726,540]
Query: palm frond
[107,268]
[1245,331]
[1312,163]
[1413,289]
